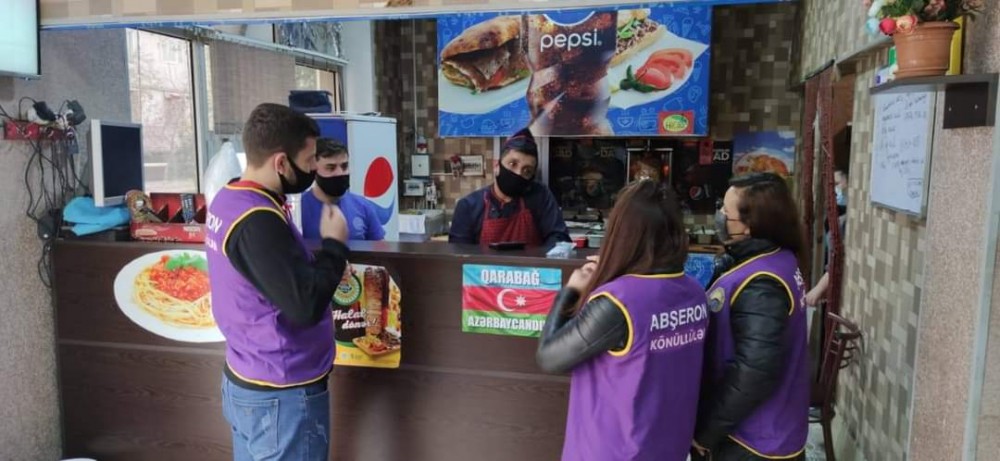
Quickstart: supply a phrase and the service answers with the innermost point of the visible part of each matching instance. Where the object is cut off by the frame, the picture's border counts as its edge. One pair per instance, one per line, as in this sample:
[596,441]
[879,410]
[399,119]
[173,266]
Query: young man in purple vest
[271,295]
[755,399]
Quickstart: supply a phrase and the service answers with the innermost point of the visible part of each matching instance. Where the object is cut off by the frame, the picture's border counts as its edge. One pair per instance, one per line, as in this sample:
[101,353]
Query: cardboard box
[173,228]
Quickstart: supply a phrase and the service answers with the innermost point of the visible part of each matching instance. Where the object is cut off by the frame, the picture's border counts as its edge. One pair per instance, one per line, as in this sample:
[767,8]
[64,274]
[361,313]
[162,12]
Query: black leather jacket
[569,340]
[758,317]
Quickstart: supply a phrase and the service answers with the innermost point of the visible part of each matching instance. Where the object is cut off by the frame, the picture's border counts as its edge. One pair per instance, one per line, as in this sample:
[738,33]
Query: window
[161,88]
[310,78]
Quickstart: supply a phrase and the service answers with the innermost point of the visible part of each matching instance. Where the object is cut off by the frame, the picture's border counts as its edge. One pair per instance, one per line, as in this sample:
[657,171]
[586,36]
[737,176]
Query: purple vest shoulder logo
[717,299]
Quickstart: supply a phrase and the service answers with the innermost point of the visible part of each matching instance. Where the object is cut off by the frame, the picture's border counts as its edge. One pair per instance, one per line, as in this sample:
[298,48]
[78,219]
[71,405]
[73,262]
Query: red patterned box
[173,228]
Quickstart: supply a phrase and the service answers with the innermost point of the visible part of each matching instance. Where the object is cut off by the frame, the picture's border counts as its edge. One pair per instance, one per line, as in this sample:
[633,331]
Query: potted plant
[922,31]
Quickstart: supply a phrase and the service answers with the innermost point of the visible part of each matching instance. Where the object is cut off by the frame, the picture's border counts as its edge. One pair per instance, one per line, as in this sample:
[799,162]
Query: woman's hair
[768,209]
[645,232]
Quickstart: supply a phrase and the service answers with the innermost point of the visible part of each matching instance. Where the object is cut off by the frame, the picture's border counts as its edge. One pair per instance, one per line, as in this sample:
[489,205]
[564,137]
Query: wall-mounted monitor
[19,54]
[116,160]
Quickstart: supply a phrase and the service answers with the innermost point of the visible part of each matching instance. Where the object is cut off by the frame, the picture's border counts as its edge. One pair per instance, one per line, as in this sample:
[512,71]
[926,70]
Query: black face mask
[334,186]
[303,179]
[512,184]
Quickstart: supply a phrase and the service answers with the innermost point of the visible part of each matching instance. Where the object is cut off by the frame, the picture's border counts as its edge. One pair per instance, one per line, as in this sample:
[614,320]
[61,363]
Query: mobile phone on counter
[187,208]
[507,246]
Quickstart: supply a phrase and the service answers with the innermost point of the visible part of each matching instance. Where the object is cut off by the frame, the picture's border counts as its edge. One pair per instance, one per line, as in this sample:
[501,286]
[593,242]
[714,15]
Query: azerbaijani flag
[506,300]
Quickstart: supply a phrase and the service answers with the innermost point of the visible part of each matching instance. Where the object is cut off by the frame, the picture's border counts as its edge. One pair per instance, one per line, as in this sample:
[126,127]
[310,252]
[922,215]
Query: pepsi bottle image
[569,54]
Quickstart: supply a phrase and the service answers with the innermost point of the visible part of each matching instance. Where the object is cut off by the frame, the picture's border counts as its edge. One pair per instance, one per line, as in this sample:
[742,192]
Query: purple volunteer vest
[261,346]
[779,426]
[640,403]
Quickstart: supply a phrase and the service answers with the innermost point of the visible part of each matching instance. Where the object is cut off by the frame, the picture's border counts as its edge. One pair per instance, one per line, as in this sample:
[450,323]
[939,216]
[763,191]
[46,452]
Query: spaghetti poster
[504,300]
[167,293]
[367,318]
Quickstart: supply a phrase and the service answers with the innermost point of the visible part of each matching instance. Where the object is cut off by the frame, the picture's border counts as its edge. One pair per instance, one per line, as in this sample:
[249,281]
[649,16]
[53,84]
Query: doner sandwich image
[486,56]
[636,31]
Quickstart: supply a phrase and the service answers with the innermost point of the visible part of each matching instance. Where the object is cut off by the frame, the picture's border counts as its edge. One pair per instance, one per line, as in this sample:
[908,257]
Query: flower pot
[926,51]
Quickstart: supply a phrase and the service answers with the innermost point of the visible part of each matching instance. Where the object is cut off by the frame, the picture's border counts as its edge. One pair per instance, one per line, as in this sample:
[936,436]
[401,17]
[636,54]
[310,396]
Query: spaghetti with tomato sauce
[176,291]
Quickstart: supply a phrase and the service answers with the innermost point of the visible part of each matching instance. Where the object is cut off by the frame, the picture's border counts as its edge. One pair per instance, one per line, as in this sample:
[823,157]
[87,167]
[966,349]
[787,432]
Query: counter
[128,394]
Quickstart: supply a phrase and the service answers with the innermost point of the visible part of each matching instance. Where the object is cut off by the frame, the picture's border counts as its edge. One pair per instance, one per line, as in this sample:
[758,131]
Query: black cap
[522,141]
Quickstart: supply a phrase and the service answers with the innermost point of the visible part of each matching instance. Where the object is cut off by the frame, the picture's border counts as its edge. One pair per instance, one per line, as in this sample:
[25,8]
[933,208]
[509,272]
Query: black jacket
[758,317]
[568,340]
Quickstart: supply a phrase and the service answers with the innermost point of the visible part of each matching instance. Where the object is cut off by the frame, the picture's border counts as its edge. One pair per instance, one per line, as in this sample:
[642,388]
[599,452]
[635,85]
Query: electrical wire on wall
[51,179]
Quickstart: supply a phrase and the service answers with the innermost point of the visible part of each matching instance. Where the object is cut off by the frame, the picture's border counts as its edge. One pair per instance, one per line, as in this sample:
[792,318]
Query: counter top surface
[422,249]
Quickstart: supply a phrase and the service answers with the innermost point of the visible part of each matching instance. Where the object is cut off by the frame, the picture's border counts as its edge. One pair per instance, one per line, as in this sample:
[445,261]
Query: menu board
[901,144]
[600,73]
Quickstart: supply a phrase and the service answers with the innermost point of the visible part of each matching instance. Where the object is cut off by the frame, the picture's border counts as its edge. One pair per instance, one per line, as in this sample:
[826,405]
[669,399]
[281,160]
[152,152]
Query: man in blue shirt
[514,208]
[333,179]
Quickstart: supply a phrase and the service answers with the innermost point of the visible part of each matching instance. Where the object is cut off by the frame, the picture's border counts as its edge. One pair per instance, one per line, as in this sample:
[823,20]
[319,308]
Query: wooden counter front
[128,394]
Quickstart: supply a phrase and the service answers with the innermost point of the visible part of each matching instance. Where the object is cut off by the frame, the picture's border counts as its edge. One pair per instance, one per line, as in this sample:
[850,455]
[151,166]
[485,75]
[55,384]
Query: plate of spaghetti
[167,293]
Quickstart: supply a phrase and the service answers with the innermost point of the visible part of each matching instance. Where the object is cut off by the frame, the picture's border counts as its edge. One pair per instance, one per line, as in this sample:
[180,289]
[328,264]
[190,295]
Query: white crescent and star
[520,301]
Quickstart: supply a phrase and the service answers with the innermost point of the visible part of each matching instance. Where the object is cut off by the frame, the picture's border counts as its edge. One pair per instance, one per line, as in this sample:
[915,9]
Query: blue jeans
[279,425]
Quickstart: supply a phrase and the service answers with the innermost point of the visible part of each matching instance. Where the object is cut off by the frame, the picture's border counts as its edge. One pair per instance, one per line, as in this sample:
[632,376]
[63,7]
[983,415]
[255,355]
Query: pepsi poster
[630,72]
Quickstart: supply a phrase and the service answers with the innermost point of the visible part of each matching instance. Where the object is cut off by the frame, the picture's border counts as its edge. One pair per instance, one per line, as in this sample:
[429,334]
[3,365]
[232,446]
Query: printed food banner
[167,293]
[367,318]
[605,72]
[764,152]
[504,300]
[700,266]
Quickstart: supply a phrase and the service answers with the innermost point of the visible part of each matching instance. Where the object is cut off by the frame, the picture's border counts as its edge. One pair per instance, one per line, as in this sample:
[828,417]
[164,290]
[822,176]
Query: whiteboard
[901,146]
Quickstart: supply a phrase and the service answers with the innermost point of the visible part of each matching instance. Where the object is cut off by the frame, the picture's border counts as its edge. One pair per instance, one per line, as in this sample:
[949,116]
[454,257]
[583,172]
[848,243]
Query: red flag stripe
[485,299]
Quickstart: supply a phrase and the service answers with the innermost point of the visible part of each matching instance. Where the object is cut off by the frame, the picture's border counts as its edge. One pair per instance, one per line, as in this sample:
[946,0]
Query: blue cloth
[90,219]
[361,215]
[467,222]
[301,433]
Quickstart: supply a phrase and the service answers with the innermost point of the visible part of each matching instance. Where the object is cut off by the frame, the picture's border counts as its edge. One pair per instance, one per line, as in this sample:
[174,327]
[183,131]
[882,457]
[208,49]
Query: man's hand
[333,224]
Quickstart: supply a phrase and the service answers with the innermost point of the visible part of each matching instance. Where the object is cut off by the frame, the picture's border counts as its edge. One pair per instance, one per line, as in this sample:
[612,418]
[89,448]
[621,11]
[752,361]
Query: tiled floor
[814,445]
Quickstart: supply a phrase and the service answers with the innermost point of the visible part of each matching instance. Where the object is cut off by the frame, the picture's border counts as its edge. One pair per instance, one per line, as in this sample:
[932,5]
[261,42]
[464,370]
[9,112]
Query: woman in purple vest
[634,342]
[755,402]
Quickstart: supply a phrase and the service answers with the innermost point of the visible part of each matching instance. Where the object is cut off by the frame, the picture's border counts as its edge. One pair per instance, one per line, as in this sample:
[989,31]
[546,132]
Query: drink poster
[701,173]
[367,318]
[604,72]
[764,152]
[504,300]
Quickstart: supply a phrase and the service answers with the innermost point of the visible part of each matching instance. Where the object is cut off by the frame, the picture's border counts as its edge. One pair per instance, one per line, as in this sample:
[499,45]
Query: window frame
[198,97]
[337,93]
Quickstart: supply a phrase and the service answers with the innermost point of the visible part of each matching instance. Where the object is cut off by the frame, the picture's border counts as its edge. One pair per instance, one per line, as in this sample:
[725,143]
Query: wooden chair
[840,349]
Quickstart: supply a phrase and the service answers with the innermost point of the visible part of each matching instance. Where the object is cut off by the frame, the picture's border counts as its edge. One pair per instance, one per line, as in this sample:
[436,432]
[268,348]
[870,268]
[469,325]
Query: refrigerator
[371,142]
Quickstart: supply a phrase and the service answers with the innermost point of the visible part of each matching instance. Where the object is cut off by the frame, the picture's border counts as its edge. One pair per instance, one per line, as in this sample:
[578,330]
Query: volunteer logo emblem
[716,299]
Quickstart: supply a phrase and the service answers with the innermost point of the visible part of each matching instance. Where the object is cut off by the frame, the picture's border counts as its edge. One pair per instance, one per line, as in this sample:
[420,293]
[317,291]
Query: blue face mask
[841,198]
